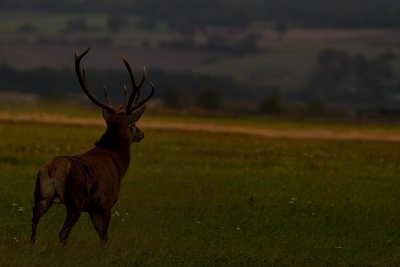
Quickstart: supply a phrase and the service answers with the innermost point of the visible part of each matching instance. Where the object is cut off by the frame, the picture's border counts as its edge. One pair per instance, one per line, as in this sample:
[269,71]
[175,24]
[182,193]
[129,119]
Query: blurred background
[310,58]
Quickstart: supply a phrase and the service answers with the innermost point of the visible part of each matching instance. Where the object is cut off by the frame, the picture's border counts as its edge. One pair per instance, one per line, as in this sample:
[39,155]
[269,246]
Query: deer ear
[135,116]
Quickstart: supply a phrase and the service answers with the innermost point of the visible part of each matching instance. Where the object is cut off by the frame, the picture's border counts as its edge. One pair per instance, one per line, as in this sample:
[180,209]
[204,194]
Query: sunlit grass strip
[49,119]
[210,126]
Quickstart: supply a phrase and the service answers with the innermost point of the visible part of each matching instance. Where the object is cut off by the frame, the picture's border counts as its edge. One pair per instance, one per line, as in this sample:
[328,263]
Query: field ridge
[320,133]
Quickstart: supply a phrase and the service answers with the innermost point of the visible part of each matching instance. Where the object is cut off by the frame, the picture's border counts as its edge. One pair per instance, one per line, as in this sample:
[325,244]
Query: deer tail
[37,194]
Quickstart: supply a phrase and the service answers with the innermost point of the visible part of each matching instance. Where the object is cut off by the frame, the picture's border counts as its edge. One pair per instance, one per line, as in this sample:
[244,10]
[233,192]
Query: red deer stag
[91,182]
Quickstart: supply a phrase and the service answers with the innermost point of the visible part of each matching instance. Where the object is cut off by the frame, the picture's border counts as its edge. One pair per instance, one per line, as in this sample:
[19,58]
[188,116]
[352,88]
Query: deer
[91,182]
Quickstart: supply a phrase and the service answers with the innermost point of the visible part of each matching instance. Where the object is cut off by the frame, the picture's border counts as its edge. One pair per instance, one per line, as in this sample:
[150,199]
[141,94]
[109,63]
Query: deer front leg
[101,221]
[73,215]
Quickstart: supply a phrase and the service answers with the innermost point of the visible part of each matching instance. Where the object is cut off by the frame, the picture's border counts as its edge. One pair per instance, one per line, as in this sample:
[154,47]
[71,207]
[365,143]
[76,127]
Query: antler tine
[134,96]
[106,96]
[142,102]
[125,96]
[135,89]
[141,84]
[82,80]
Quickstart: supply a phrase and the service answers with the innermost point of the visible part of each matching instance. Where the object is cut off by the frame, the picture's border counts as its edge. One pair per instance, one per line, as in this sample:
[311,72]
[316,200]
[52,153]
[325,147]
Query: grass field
[209,199]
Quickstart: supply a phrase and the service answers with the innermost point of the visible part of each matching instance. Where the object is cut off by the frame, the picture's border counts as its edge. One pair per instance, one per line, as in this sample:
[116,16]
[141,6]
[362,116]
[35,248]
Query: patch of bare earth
[374,134]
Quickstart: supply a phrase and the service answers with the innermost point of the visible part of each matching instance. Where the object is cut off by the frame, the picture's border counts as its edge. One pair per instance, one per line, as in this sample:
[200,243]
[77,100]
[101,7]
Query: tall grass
[198,199]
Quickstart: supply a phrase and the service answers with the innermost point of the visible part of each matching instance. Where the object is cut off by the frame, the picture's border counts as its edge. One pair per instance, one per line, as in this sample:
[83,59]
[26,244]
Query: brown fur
[91,182]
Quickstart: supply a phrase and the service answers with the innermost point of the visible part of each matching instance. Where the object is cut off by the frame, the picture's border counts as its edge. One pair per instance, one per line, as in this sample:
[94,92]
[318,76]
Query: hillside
[262,62]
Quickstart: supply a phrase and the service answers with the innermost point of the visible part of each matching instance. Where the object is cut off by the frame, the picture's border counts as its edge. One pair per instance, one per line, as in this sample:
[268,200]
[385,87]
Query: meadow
[212,199]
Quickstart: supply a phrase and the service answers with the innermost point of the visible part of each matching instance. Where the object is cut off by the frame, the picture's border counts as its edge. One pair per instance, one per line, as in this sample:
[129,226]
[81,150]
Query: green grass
[197,199]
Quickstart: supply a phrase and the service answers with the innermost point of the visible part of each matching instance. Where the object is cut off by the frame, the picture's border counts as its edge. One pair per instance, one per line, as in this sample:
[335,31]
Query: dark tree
[343,78]
[173,99]
[117,22]
[77,25]
[209,99]
[270,105]
[281,28]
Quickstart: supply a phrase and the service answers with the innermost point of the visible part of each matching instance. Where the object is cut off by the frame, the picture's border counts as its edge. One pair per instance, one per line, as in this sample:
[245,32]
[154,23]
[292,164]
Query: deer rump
[90,182]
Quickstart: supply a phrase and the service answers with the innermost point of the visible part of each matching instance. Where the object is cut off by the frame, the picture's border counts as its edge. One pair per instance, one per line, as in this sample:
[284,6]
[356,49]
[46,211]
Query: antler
[133,103]
[82,81]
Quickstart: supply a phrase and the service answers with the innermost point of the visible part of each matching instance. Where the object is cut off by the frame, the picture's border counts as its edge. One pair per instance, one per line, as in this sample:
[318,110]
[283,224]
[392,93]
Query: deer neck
[118,145]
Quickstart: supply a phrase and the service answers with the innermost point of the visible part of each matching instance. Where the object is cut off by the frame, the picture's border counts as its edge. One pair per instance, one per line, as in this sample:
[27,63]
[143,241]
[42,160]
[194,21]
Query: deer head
[129,112]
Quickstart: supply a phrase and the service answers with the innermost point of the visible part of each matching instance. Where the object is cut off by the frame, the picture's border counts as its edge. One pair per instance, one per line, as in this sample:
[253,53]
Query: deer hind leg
[73,215]
[101,221]
[44,194]
[39,209]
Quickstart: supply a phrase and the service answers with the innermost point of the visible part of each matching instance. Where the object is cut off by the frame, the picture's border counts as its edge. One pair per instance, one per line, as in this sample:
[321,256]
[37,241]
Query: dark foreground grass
[196,199]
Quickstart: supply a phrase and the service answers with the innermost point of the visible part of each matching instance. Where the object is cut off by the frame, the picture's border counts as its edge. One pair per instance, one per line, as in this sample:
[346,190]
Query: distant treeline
[354,80]
[194,13]
[340,80]
[50,82]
